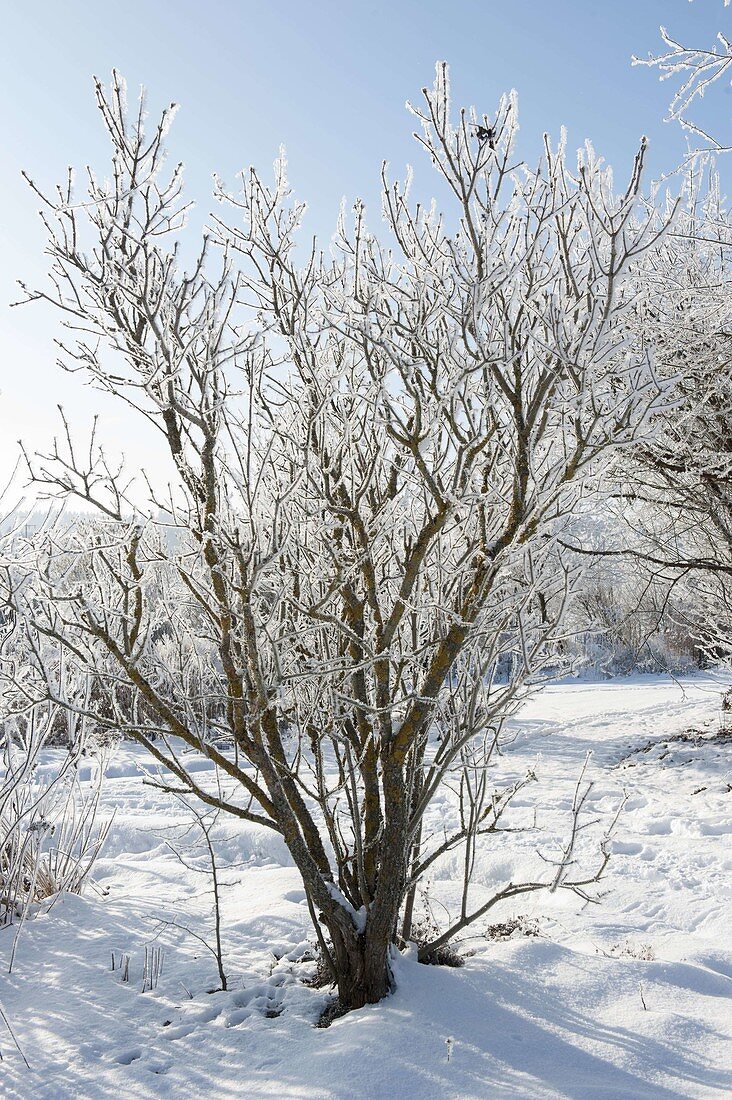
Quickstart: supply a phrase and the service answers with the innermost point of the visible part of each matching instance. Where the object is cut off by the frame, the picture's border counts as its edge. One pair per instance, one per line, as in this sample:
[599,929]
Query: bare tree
[189,843]
[374,451]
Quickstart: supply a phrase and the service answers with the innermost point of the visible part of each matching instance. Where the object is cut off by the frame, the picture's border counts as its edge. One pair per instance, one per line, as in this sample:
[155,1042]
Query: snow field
[626,998]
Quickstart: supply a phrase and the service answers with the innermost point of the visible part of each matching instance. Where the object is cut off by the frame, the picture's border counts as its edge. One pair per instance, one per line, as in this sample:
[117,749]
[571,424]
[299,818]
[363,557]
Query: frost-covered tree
[374,449]
[685,474]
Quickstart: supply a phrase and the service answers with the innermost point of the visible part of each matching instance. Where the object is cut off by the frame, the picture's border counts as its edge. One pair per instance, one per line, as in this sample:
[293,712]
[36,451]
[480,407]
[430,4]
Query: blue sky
[327,79]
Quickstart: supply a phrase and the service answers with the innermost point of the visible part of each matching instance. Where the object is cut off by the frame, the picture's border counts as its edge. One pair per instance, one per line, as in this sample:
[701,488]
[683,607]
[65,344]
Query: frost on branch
[695,70]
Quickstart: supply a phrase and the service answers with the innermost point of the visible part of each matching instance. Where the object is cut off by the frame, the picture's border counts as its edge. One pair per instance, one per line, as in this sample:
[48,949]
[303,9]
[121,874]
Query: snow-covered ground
[626,998]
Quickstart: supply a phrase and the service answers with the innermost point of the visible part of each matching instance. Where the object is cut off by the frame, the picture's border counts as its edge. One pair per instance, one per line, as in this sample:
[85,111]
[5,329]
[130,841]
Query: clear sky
[329,79]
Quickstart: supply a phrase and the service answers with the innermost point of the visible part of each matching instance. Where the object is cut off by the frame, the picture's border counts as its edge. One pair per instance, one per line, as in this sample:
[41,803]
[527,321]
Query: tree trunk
[363,971]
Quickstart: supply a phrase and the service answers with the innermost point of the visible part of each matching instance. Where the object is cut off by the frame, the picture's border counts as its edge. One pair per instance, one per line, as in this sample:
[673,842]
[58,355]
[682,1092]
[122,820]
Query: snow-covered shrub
[49,833]
[49,795]
[626,616]
[631,950]
[513,927]
[424,931]
[623,622]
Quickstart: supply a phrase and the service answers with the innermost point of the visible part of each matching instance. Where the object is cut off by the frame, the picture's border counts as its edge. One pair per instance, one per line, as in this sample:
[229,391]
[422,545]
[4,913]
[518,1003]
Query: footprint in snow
[259,999]
[127,1057]
[237,1017]
[159,1065]
[179,1032]
[715,828]
[627,847]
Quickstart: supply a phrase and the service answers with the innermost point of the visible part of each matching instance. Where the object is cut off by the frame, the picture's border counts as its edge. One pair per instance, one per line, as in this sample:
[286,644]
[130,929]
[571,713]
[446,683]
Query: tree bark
[363,968]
